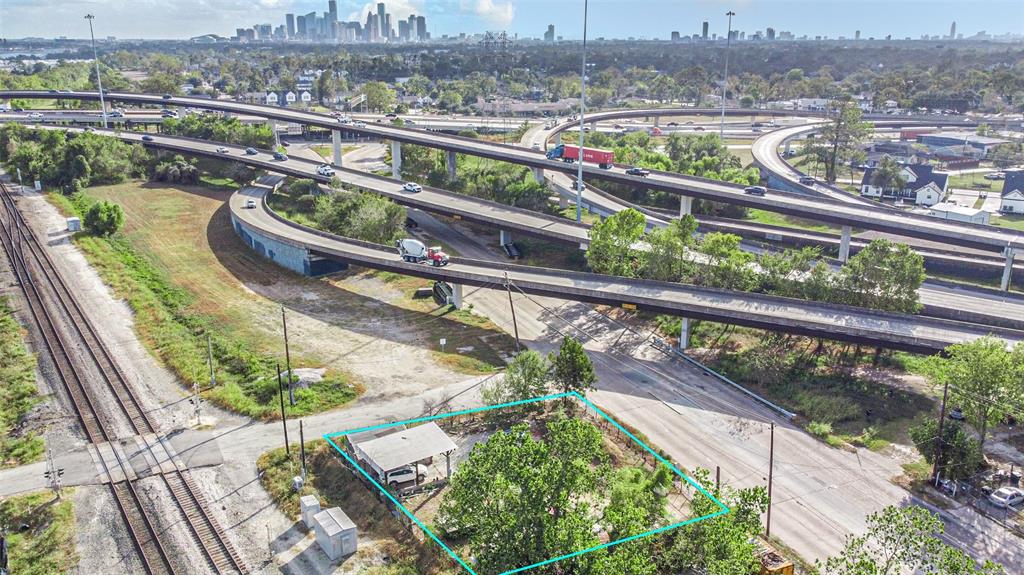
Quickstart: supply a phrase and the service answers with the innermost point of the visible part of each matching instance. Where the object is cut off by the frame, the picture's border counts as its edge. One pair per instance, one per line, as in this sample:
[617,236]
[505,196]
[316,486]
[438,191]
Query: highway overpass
[843,323]
[819,209]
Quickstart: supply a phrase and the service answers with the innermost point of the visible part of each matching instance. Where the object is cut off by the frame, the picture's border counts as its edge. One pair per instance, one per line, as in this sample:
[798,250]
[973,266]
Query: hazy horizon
[643,19]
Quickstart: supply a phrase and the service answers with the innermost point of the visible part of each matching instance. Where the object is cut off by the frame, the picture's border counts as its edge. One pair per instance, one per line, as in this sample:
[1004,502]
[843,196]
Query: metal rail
[221,554]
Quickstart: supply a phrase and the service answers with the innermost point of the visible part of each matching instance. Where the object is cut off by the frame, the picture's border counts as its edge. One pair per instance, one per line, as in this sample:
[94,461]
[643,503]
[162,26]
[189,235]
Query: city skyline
[379,26]
[525,18]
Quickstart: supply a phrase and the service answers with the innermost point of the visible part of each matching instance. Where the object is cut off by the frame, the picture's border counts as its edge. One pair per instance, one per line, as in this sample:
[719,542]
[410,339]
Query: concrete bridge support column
[504,237]
[657,121]
[1007,270]
[685,206]
[844,244]
[396,160]
[685,330]
[453,174]
[336,144]
[538,175]
[558,139]
[277,139]
[457,295]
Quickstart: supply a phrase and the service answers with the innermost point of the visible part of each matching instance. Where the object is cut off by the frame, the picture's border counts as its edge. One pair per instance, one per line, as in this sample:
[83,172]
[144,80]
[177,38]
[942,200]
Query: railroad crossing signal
[53,473]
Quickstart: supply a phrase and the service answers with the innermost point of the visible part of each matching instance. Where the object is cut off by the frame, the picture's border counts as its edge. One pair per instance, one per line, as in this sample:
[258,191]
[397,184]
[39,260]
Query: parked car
[250,204]
[807,180]
[755,190]
[406,474]
[325,170]
[251,151]
[956,414]
[222,150]
[1006,497]
[995,176]
[638,172]
[280,157]
[412,187]
[147,138]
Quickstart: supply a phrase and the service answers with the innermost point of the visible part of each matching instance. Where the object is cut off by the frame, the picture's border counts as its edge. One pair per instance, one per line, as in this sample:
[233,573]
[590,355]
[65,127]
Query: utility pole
[96,59]
[725,76]
[302,450]
[938,444]
[284,419]
[771,467]
[583,108]
[515,326]
[209,359]
[287,359]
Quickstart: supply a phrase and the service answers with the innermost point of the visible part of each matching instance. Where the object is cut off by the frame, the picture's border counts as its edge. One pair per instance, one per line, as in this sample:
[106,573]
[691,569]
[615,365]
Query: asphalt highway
[819,209]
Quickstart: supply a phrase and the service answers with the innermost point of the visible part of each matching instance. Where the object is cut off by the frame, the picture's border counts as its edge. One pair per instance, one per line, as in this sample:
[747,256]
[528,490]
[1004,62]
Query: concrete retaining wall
[298,260]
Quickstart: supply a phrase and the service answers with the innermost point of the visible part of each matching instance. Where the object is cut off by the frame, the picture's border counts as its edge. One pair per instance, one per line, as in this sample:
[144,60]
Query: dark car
[755,190]
[280,157]
[147,138]
[167,96]
[807,180]
[673,124]
[251,151]
[53,91]
[638,172]
[956,414]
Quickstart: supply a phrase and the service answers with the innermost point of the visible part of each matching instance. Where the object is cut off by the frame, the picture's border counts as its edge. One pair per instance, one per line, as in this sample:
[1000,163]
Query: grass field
[182,291]
[1014,222]
[48,544]
[774,219]
[326,151]
[17,394]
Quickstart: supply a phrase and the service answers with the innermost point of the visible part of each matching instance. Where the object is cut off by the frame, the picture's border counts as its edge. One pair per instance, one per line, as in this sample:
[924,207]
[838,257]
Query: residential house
[1013,193]
[952,211]
[922,184]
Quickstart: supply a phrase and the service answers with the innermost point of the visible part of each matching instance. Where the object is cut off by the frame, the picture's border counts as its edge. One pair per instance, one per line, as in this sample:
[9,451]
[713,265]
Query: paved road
[820,209]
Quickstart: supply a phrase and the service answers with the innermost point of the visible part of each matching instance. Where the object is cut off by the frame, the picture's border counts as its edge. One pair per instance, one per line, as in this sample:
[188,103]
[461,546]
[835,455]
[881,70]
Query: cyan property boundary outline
[721,511]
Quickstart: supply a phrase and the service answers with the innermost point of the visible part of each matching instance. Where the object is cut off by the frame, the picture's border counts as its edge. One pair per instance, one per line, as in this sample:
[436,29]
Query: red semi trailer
[603,158]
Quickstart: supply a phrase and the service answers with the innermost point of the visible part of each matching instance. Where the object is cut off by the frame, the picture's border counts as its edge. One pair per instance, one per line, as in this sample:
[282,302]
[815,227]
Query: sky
[528,18]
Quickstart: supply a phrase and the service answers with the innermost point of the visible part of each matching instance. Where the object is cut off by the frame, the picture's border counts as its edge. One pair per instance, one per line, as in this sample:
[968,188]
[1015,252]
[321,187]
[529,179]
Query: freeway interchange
[848,324]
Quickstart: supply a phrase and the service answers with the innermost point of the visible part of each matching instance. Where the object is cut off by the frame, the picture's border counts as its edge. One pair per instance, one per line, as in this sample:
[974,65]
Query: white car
[344,120]
[412,187]
[35,115]
[250,203]
[358,124]
[406,474]
[325,170]
[1006,497]
[222,150]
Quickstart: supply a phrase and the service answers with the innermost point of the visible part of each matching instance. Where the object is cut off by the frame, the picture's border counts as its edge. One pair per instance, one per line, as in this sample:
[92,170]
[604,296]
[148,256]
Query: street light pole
[99,83]
[583,107]
[725,76]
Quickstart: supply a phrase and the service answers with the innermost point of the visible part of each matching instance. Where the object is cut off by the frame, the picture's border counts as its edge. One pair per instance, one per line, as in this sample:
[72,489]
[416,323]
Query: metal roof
[334,521]
[407,446]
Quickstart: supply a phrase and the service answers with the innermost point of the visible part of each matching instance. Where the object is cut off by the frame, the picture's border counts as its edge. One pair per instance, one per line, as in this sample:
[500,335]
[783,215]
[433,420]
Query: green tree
[722,545]
[902,540]
[379,97]
[519,500]
[888,175]
[961,455]
[612,242]
[668,257]
[839,138]
[526,377]
[103,218]
[359,215]
[571,369]
[727,266]
[985,379]
[884,275]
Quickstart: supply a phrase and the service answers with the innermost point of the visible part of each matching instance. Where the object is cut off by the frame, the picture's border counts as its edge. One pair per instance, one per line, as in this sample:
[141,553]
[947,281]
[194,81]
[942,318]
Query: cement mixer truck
[414,251]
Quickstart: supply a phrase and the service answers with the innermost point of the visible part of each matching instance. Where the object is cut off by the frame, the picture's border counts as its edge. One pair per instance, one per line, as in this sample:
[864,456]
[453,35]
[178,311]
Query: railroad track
[24,249]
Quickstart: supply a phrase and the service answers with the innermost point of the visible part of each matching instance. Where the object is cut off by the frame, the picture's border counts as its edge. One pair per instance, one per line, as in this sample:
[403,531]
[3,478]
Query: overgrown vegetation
[17,394]
[40,533]
[884,275]
[218,128]
[246,379]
